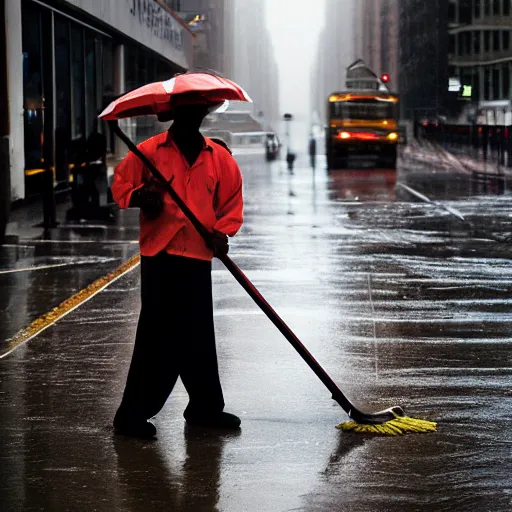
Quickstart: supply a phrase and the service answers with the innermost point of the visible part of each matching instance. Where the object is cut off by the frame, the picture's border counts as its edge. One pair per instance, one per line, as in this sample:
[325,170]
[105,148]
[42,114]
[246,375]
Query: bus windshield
[367,109]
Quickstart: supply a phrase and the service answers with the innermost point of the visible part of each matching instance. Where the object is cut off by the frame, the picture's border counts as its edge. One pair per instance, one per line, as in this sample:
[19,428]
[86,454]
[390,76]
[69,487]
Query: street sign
[467,91]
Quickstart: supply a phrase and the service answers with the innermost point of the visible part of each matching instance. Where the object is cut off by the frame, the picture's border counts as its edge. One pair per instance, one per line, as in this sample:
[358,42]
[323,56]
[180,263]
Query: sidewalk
[40,269]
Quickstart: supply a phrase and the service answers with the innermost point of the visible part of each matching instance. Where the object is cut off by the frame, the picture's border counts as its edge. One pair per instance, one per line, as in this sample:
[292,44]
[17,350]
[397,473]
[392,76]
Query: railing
[482,142]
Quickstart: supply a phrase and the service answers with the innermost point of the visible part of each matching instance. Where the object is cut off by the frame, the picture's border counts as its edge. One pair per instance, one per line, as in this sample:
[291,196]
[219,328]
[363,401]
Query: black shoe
[215,420]
[139,429]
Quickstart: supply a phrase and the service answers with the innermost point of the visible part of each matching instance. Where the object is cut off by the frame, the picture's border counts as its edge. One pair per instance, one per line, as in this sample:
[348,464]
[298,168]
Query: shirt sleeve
[230,205]
[128,177]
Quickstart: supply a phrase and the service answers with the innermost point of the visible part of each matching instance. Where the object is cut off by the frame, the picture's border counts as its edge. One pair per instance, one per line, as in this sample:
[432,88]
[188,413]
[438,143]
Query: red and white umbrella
[160,97]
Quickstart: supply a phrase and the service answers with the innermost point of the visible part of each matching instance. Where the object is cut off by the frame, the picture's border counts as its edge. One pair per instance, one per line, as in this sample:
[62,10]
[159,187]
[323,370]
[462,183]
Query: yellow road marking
[63,309]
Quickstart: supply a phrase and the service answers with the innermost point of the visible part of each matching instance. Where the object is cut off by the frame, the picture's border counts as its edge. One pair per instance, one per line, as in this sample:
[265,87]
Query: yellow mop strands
[397,426]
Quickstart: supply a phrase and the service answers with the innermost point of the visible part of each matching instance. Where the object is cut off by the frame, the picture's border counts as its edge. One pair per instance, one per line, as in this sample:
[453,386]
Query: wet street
[400,285]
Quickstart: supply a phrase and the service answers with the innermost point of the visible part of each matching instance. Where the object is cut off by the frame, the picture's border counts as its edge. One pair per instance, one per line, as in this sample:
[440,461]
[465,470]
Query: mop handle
[240,276]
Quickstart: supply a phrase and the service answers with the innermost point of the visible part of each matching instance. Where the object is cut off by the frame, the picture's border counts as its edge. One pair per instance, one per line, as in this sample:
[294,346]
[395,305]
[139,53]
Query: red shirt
[211,188]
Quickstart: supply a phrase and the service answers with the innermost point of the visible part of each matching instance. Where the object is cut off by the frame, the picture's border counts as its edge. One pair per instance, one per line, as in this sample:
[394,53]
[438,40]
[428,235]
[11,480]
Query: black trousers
[175,338]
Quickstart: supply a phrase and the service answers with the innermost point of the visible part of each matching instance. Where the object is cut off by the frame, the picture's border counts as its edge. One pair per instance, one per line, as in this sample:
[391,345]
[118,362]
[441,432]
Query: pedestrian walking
[312,150]
[175,333]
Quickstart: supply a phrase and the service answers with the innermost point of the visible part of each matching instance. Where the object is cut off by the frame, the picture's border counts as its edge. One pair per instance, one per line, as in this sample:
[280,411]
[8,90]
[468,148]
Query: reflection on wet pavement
[401,302]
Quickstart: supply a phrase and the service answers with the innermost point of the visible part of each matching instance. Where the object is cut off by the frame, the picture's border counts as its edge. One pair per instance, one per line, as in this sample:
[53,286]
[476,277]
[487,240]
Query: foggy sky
[295,26]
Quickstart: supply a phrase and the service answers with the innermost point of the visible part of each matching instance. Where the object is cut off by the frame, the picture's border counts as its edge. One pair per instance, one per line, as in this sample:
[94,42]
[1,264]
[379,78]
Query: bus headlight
[393,136]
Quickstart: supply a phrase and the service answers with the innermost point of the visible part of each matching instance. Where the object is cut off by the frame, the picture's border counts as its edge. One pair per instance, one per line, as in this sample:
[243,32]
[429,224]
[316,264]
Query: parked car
[272,146]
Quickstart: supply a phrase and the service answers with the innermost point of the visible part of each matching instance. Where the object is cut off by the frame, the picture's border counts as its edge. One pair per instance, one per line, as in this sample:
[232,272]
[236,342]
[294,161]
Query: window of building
[451,13]
[476,42]
[496,40]
[477,8]
[460,43]
[496,10]
[487,84]
[487,41]
[496,84]
[487,7]
[476,84]
[505,76]
[465,10]
[451,44]
[467,43]
[506,39]
[506,7]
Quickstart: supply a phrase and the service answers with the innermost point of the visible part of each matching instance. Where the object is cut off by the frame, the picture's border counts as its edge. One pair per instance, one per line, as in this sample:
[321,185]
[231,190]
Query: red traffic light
[385,78]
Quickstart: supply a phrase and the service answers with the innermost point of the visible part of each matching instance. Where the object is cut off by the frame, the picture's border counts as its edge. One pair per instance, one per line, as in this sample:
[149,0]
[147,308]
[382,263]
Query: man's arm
[127,179]
[229,199]
[130,191]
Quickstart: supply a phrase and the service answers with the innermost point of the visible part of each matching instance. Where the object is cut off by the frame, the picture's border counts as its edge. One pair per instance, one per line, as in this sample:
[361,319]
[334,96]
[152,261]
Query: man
[312,150]
[175,334]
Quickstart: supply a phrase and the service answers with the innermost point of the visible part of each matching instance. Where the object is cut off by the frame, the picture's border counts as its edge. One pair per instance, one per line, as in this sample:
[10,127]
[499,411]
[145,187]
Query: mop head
[397,426]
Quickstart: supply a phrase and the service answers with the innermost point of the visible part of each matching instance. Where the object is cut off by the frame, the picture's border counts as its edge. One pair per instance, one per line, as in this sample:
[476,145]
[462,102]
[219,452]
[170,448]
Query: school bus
[362,121]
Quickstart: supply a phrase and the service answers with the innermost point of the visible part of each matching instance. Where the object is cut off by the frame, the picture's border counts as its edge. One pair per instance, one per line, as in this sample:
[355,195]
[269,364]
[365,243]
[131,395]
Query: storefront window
[62,73]
[142,64]
[63,97]
[107,87]
[77,79]
[130,58]
[33,94]
[90,84]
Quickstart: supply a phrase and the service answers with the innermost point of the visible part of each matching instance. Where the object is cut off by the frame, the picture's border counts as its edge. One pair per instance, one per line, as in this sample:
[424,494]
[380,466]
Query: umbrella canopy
[160,97]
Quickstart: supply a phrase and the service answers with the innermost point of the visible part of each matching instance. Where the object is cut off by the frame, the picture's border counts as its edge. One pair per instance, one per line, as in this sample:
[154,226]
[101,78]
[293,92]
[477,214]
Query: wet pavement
[400,300]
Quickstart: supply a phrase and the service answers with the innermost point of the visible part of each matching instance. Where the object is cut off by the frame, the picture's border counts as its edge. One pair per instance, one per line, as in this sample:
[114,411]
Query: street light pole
[290,157]
[287,119]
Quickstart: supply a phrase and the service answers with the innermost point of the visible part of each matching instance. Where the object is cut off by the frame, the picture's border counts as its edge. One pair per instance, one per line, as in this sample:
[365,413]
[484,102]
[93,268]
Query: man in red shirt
[175,334]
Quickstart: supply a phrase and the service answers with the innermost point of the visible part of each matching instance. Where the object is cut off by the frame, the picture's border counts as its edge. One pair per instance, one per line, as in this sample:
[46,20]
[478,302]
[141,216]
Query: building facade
[66,61]
[376,37]
[409,40]
[249,58]
[334,54]
[480,49]
[232,39]
[423,58]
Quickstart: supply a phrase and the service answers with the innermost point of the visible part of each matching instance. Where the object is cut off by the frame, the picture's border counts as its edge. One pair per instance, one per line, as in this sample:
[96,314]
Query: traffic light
[385,78]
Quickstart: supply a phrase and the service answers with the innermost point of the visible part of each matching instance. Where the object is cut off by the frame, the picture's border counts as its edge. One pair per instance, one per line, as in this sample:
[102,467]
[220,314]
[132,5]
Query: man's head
[188,117]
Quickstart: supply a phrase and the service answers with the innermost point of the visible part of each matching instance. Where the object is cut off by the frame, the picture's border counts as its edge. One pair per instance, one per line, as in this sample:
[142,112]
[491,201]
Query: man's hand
[149,199]
[220,244]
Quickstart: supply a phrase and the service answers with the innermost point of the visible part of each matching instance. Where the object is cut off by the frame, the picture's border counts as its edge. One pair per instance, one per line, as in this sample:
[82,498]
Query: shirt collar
[206,142]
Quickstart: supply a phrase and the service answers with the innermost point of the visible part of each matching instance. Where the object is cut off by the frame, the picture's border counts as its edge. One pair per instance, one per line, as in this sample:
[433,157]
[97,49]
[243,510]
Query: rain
[255,255]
